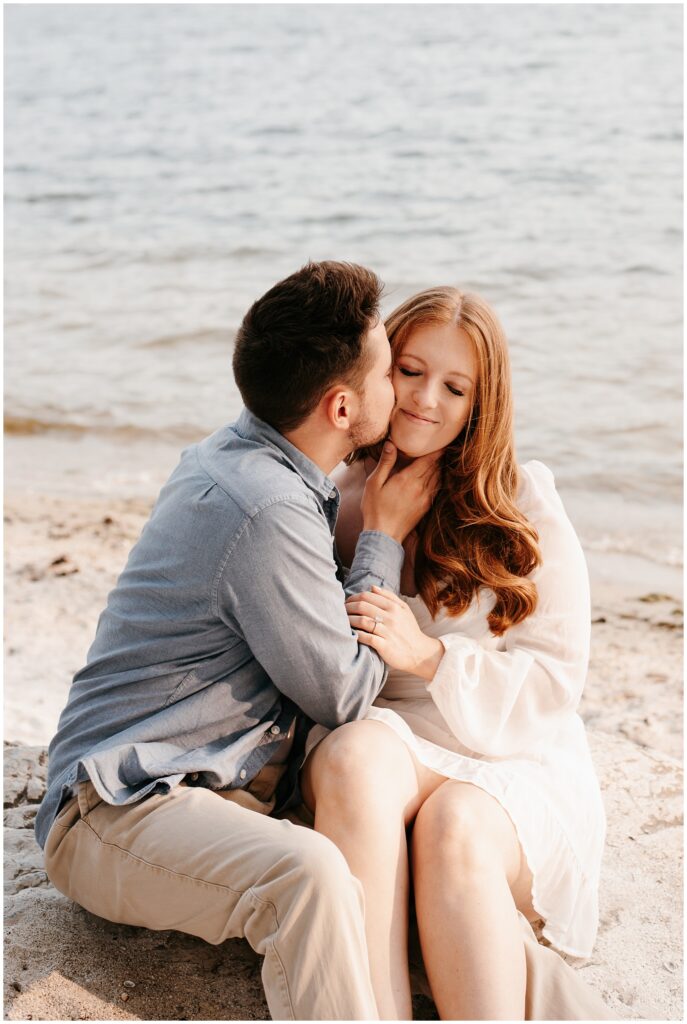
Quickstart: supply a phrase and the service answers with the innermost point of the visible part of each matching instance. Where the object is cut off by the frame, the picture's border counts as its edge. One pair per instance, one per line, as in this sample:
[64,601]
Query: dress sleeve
[506,701]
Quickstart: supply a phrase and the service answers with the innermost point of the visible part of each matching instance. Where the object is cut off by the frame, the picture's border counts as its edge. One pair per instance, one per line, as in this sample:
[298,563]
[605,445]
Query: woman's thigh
[367,762]
[461,825]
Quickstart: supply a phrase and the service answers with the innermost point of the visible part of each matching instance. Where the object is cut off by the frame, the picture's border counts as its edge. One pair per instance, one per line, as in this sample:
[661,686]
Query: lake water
[166,164]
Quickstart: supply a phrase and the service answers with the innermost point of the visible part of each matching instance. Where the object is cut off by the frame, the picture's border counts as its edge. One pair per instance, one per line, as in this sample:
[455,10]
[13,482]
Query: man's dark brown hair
[304,335]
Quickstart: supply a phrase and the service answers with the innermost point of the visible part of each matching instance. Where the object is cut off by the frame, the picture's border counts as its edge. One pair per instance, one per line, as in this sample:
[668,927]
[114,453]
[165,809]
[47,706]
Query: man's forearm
[378,561]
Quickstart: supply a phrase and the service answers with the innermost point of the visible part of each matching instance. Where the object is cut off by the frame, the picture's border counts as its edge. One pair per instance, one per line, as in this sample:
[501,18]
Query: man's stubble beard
[364,433]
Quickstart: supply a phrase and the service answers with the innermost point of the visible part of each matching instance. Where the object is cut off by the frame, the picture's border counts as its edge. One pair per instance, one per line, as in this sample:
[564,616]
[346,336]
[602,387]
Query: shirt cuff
[378,554]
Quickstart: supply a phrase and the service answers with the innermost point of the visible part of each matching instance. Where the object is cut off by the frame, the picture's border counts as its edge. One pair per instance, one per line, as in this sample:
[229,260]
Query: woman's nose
[425,395]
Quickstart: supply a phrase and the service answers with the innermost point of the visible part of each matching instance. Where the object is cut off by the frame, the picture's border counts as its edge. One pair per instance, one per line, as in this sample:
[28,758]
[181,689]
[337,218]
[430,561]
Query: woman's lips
[417,419]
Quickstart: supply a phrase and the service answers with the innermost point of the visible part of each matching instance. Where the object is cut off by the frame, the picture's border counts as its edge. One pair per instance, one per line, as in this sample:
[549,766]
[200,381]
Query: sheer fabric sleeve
[503,702]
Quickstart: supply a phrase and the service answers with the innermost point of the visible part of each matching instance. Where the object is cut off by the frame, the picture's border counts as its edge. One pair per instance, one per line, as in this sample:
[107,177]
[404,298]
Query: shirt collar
[251,428]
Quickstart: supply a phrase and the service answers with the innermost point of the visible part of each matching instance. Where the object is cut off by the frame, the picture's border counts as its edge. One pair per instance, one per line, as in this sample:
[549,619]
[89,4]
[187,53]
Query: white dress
[501,714]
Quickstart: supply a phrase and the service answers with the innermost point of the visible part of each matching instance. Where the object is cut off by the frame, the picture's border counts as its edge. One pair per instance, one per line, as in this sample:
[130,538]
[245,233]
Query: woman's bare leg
[364,786]
[470,876]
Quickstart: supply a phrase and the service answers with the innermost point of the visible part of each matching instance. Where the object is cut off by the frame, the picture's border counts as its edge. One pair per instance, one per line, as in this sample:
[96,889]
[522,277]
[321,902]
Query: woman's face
[434,380]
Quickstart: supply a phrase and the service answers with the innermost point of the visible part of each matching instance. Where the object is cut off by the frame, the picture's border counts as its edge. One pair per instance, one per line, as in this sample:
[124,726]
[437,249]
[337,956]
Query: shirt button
[193,776]
[332,496]
[243,773]
[275,730]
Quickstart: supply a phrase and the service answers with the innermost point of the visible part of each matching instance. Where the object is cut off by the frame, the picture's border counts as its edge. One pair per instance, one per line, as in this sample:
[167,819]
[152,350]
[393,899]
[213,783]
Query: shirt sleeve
[378,560]
[279,587]
[505,702]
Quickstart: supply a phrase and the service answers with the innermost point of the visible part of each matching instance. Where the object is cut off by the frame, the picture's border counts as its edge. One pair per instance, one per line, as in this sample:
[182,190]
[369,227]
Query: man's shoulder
[249,474]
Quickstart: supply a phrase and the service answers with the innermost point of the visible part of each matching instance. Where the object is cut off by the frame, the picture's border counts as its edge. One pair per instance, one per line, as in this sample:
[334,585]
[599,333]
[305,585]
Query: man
[225,638]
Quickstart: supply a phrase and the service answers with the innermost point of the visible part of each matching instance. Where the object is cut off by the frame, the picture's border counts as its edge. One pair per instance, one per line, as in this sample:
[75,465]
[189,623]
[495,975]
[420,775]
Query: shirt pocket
[189,683]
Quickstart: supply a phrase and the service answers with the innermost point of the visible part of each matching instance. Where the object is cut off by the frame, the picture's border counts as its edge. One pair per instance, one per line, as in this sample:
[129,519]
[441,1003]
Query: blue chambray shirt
[227,625]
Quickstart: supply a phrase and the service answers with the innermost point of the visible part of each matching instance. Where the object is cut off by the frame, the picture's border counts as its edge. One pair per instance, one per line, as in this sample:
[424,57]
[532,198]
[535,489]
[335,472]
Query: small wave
[19,426]
[244,252]
[644,268]
[532,273]
[630,428]
[205,254]
[276,129]
[58,197]
[29,425]
[535,65]
[671,557]
[665,137]
[211,190]
[223,336]
[409,154]
[430,41]
[332,218]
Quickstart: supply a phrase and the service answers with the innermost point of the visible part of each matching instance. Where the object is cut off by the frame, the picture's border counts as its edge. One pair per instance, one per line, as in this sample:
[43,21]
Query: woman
[474,740]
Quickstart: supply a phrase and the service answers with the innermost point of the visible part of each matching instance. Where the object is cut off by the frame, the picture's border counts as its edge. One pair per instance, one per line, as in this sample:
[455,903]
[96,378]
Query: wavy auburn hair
[474,535]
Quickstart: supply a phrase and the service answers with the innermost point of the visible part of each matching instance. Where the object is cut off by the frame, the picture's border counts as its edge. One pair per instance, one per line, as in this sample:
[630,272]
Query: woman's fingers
[369,623]
[370,640]
[388,594]
[368,611]
[379,600]
[380,474]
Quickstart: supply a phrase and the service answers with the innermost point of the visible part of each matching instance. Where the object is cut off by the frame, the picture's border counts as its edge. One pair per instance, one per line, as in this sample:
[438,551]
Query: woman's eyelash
[416,373]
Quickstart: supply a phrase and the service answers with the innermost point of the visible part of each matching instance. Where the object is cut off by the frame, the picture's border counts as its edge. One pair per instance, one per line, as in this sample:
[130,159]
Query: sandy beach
[62,558]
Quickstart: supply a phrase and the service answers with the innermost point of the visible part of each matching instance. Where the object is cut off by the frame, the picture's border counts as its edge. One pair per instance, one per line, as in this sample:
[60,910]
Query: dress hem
[550,930]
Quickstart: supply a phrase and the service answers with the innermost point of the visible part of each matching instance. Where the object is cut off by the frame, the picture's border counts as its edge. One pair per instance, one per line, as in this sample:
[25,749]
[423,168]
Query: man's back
[199,666]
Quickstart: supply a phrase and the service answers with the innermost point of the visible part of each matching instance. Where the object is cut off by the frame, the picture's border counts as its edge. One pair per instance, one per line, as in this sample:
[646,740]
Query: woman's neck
[402,460]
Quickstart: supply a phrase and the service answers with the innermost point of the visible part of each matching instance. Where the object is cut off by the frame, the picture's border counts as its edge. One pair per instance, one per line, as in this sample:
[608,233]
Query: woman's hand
[395,503]
[382,620]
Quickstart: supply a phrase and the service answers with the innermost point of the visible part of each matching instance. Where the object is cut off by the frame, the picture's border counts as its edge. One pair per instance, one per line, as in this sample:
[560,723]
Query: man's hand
[395,504]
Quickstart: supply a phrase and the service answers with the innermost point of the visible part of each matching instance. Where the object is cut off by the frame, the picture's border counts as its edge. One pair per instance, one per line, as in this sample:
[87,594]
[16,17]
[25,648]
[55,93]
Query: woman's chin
[408,449]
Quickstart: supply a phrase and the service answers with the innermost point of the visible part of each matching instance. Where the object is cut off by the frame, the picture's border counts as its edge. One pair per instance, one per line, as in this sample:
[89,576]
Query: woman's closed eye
[416,373]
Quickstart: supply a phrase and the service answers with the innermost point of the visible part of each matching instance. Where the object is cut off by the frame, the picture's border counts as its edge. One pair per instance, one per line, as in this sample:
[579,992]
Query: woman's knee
[461,827]
[362,761]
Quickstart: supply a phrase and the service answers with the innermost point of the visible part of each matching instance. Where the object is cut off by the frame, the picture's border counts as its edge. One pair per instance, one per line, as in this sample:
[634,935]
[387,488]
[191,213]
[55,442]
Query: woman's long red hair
[474,535]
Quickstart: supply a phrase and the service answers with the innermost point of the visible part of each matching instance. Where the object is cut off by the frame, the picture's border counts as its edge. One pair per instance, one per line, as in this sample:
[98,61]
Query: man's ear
[339,406]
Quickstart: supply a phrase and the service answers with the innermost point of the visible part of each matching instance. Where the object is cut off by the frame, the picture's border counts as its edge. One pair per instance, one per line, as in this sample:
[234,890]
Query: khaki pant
[196,863]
